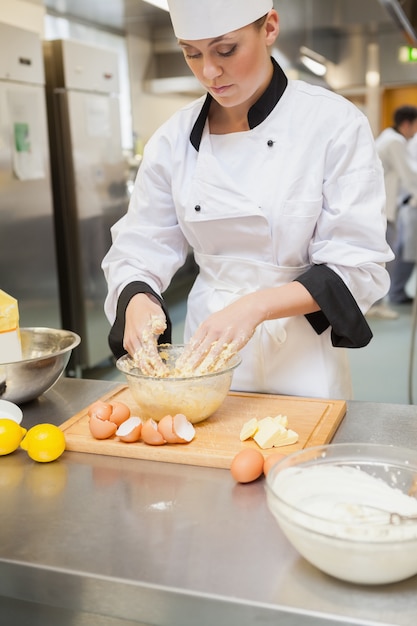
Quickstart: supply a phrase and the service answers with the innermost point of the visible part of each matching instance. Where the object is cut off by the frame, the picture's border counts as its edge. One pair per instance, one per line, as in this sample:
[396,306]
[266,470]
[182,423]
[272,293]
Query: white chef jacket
[400,175]
[310,195]
[412,151]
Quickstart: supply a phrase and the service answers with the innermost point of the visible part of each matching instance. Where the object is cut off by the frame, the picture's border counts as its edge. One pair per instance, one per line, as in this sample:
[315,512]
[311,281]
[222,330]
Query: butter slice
[270,433]
[249,429]
[278,419]
[290,438]
[10,347]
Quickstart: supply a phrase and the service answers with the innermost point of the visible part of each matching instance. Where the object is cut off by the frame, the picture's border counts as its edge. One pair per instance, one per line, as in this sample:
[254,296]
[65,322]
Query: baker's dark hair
[406,113]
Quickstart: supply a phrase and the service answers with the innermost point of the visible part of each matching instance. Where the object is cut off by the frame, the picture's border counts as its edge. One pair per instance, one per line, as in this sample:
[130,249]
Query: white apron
[284,356]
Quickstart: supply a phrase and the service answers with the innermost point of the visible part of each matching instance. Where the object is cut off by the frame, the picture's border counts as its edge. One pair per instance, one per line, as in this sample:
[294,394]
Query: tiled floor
[380,371]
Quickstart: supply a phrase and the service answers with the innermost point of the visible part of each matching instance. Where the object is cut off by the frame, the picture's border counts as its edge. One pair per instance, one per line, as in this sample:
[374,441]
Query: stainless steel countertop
[104,541]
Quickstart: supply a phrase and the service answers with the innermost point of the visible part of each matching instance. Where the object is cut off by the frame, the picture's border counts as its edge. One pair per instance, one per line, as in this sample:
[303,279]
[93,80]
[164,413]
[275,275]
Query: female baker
[276,186]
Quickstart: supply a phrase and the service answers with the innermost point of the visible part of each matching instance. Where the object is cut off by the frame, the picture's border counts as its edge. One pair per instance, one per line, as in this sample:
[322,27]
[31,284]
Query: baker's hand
[218,338]
[226,332]
[145,321]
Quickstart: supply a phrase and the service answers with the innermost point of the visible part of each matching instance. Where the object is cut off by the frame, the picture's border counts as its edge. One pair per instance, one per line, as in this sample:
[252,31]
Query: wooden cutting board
[217,439]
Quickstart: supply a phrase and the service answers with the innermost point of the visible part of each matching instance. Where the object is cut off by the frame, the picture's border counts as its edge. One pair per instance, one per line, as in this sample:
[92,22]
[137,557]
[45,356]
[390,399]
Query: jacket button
[197,208]
[270,143]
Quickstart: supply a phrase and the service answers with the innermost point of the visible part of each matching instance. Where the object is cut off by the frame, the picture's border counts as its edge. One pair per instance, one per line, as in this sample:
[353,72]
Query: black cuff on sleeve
[117,330]
[349,328]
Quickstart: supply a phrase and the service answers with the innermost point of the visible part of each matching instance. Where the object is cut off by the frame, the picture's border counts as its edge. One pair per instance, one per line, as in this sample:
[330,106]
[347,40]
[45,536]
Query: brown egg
[100,409]
[120,412]
[101,428]
[130,430]
[151,434]
[271,460]
[247,465]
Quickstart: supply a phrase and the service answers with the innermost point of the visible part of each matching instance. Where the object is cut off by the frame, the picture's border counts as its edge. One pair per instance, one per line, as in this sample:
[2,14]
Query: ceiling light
[161,4]
[313,61]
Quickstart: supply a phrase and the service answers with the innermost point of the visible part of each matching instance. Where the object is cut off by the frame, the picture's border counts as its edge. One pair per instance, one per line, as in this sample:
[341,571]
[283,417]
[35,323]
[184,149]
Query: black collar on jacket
[256,114]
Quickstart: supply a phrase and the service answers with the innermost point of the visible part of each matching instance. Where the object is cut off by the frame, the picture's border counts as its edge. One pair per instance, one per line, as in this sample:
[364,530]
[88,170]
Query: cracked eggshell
[101,410]
[166,428]
[151,434]
[183,428]
[101,428]
[130,430]
[120,412]
[176,429]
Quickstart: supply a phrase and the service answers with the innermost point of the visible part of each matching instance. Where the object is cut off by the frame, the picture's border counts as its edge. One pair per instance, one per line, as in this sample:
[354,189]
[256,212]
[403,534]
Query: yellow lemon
[11,434]
[44,442]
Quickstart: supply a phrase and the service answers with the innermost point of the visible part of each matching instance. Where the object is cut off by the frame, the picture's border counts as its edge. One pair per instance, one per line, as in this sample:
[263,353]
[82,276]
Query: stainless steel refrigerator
[28,266]
[89,177]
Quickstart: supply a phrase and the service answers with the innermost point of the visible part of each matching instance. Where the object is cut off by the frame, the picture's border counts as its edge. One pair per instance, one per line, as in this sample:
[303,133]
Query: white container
[10,348]
[10,410]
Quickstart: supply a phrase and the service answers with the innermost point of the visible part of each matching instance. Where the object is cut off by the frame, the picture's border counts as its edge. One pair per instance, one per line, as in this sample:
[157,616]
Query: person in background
[412,150]
[401,207]
[407,234]
[277,187]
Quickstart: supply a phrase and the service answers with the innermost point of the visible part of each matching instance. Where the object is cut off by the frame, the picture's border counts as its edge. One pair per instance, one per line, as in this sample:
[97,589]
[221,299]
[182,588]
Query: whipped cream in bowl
[333,503]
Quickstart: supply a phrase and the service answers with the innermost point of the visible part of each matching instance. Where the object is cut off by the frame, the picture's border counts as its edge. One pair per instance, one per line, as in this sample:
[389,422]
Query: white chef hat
[204,19]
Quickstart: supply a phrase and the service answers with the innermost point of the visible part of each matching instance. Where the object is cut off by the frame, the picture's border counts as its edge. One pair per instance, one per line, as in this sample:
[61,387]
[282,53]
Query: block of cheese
[10,346]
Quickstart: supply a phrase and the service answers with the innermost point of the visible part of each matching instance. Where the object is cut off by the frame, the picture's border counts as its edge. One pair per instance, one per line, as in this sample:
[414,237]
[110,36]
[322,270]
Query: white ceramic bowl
[11,411]
[197,397]
[324,500]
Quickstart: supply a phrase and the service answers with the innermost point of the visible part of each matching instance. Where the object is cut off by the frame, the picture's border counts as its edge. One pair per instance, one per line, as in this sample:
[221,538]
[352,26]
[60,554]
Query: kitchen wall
[28,14]
[356,49]
[148,111]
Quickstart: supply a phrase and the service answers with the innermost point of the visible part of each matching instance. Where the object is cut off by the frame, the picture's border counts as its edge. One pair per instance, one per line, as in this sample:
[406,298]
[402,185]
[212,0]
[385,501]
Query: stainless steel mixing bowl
[46,352]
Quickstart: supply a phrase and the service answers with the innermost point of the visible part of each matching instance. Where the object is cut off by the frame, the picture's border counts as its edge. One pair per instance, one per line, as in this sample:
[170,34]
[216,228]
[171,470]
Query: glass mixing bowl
[197,397]
[333,503]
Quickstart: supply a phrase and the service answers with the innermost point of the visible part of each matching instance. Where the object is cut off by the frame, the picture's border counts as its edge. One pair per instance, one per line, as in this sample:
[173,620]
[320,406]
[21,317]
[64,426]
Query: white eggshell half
[128,425]
[183,428]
